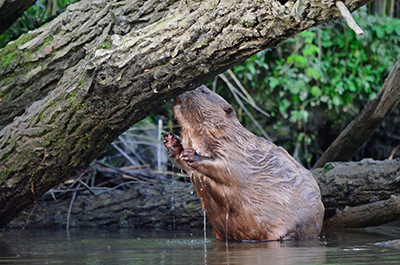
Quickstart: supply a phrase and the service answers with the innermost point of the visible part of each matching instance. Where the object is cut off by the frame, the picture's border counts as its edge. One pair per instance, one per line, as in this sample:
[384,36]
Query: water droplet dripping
[205,227]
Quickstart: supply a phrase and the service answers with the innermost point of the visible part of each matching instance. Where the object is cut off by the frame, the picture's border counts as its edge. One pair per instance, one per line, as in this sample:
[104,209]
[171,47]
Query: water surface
[144,246]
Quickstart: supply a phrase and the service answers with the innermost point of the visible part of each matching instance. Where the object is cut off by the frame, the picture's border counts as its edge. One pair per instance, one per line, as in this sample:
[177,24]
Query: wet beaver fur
[249,188]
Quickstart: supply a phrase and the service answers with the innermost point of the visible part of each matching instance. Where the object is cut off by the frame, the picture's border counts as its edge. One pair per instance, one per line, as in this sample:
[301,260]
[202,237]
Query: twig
[32,188]
[52,194]
[87,187]
[214,84]
[239,84]
[170,173]
[160,146]
[123,184]
[70,205]
[230,86]
[27,219]
[393,152]
[125,172]
[124,142]
[123,153]
[349,18]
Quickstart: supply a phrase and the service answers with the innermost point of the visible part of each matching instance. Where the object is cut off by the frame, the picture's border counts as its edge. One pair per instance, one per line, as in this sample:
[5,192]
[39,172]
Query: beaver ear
[228,110]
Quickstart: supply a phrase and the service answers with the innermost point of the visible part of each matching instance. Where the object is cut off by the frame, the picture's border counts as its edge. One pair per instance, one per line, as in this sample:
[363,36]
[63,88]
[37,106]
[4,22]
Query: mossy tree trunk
[109,64]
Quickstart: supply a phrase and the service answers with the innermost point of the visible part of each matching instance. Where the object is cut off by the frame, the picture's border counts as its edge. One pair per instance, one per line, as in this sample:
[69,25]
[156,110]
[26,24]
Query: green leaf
[336,100]
[310,50]
[380,31]
[311,72]
[283,105]
[294,89]
[316,92]
[273,82]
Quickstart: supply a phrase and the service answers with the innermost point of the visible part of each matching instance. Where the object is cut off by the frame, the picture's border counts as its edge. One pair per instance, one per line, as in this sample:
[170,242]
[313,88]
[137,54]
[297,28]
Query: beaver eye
[204,91]
[228,110]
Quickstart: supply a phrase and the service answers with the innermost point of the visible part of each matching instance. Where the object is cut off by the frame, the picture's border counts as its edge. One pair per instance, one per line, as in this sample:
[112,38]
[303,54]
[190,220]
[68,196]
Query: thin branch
[126,172]
[122,152]
[349,18]
[27,219]
[234,93]
[232,87]
[87,187]
[70,205]
[393,152]
[239,84]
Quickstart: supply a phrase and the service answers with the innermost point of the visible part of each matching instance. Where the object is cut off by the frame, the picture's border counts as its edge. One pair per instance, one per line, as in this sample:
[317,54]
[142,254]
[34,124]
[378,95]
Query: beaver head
[208,123]
[201,107]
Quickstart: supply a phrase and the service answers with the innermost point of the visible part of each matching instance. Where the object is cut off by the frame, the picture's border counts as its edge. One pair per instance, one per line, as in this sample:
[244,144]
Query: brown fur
[249,188]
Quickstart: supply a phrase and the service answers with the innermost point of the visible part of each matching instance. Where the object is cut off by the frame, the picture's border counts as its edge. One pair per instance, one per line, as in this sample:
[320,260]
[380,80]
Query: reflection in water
[138,246]
[285,252]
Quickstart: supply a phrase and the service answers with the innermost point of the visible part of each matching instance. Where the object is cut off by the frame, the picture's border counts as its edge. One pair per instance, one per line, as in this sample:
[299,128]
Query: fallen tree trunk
[170,205]
[360,194]
[361,129]
[125,76]
[355,194]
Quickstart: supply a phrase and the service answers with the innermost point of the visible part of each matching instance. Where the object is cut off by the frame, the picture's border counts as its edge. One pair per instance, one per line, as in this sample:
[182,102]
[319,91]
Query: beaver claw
[189,155]
[172,144]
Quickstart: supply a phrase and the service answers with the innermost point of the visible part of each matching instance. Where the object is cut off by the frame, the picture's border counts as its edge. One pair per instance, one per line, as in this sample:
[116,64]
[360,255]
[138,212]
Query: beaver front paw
[172,144]
[189,155]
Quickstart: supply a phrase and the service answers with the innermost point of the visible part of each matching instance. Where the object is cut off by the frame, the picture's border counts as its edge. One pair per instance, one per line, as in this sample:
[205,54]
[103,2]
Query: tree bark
[170,205]
[361,129]
[11,10]
[124,76]
[360,194]
[31,66]
[355,194]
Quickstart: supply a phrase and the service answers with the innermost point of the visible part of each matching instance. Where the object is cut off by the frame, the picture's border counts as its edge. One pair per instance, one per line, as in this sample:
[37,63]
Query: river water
[156,246]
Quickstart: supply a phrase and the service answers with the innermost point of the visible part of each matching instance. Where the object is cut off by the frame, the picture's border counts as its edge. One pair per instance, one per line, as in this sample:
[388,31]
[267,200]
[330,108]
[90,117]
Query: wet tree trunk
[355,194]
[111,64]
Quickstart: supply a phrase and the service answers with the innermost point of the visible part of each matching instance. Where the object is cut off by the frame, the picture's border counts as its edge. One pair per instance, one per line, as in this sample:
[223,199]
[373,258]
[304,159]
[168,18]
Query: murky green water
[136,246]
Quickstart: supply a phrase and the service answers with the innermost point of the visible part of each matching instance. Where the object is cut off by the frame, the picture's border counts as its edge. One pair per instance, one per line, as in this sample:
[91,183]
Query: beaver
[250,189]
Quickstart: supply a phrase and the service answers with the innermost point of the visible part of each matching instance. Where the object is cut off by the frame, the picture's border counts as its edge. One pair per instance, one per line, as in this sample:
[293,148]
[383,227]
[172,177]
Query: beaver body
[249,188]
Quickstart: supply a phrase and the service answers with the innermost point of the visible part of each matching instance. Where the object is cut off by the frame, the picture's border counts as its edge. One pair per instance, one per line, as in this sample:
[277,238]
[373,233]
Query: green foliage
[34,17]
[327,68]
